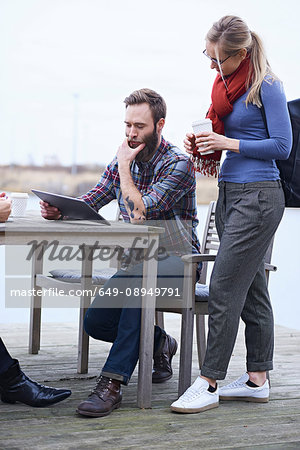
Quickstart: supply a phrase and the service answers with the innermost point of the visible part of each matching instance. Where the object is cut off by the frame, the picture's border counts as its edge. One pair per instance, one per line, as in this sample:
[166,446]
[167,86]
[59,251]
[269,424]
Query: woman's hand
[213,141]
[5,207]
[189,143]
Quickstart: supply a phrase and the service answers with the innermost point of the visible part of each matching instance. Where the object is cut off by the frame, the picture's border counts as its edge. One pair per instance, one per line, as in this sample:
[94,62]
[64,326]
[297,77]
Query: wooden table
[21,231]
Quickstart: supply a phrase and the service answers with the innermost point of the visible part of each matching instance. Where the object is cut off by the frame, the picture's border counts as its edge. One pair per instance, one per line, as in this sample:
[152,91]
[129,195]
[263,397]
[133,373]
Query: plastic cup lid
[201,122]
[19,195]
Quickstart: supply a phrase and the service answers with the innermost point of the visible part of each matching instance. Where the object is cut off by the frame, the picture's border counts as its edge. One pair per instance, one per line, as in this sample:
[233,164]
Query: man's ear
[160,124]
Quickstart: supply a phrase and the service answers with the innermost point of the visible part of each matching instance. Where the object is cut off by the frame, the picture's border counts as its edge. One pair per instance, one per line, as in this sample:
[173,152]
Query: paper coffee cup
[203,125]
[19,203]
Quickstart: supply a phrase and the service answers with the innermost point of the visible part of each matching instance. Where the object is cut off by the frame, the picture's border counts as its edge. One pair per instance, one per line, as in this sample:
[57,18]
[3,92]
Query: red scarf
[221,106]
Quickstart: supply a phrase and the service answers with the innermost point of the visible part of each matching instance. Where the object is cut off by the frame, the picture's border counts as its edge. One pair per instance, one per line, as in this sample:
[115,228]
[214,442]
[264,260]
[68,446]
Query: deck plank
[274,425]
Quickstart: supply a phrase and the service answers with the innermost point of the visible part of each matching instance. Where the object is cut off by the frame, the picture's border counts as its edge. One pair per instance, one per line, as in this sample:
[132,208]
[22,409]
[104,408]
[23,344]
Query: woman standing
[249,209]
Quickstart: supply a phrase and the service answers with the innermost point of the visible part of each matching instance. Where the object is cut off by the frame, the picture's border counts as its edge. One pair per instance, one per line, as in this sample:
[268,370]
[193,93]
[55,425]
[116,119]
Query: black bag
[290,168]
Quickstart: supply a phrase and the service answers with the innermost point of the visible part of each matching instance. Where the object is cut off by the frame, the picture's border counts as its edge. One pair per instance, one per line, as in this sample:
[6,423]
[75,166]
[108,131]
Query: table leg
[36,303]
[85,301]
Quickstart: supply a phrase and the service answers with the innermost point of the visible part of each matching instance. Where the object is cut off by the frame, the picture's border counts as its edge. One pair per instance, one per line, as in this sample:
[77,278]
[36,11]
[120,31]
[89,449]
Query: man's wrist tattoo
[130,203]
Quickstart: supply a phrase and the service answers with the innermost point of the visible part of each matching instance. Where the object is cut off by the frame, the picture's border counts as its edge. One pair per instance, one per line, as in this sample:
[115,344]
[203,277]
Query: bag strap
[263,113]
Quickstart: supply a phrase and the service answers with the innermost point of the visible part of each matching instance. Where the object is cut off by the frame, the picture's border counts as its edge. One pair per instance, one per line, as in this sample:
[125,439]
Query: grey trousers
[247,216]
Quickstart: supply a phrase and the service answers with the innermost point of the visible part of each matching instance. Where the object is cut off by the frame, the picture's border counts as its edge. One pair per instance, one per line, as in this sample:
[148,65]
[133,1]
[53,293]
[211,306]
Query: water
[283,285]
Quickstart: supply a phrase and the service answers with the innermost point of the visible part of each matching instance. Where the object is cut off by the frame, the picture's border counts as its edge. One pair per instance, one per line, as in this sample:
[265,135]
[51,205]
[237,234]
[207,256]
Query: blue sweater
[258,150]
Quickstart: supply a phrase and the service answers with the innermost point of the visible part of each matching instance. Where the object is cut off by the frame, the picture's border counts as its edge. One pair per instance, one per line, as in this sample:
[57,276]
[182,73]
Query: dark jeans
[247,217]
[117,319]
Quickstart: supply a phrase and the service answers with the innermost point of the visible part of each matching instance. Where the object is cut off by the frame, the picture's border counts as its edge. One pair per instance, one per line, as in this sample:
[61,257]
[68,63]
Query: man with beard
[152,181]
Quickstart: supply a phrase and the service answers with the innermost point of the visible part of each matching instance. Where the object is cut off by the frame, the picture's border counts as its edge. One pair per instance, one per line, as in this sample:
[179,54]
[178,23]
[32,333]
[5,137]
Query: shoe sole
[91,414]
[245,399]
[193,410]
[162,380]
[34,404]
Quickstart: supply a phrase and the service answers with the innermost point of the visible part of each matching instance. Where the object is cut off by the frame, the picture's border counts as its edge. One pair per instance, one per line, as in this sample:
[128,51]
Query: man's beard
[151,141]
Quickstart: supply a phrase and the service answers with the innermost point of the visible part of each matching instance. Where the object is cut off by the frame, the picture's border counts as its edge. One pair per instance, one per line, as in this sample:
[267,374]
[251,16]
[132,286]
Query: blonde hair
[232,34]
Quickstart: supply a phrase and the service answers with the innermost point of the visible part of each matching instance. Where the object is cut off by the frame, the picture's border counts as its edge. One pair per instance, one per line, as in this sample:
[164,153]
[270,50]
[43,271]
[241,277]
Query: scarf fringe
[208,167]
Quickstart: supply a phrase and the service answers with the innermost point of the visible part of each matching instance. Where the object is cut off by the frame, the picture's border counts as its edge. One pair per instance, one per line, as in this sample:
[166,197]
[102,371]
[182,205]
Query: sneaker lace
[191,393]
[234,384]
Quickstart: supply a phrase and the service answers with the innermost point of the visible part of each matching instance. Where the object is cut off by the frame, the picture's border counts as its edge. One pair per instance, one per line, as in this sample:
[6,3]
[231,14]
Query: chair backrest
[210,239]
[119,217]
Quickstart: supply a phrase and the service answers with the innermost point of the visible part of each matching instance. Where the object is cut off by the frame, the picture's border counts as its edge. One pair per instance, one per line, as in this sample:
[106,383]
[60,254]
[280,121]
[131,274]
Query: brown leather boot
[106,397]
[162,369]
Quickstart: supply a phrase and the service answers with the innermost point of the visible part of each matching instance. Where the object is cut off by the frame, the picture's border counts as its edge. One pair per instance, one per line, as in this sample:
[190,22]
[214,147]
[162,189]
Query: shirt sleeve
[104,191]
[279,143]
[175,180]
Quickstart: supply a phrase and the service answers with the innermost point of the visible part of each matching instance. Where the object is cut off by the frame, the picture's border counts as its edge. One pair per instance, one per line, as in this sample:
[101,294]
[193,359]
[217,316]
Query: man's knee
[89,324]
[103,330]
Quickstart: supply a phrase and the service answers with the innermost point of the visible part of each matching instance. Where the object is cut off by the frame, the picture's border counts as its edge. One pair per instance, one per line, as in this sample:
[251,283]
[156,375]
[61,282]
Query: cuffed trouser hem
[116,376]
[214,374]
[259,366]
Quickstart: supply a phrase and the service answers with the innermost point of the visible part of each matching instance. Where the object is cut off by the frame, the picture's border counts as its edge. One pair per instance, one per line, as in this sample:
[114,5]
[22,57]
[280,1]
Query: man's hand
[131,195]
[49,212]
[126,154]
[5,207]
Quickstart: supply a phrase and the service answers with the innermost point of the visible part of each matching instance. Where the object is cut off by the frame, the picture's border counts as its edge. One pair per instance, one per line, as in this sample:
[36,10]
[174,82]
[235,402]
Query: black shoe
[15,386]
[106,397]
[162,369]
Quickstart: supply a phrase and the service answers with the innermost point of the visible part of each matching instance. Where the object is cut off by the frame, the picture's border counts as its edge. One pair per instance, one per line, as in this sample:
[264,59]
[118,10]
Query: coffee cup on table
[19,203]
[203,125]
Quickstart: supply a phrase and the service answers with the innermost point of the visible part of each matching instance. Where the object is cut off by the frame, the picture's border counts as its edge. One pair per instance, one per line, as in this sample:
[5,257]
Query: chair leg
[201,339]
[159,319]
[186,350]
[35,325]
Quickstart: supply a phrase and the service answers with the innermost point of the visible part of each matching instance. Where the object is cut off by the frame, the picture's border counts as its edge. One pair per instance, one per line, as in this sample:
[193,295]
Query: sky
[67,65]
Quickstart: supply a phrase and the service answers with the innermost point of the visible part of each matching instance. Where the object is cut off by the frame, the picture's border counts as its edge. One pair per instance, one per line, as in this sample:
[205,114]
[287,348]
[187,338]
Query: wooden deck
[233,425]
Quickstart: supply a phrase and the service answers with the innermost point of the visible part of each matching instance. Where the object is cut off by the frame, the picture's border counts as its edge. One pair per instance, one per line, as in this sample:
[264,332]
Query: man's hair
[153,99]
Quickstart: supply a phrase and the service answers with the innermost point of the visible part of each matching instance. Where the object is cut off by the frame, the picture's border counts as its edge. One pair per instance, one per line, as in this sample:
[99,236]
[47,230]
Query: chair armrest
[270,267]
[198,257]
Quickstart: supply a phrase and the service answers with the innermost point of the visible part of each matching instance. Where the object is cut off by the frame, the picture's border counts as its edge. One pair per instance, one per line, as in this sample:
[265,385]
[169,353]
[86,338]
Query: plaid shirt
[167,184]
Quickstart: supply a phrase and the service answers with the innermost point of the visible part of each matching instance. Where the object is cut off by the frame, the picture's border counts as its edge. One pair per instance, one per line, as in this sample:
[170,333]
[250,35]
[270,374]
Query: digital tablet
[70,207]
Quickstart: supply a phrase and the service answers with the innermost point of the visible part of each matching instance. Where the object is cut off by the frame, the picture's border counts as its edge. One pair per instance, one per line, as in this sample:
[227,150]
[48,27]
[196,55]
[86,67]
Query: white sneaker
[196,398]
[239,390]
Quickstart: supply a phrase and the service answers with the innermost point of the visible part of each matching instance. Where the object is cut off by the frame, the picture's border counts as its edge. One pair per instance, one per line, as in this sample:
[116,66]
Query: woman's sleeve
[279,143]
